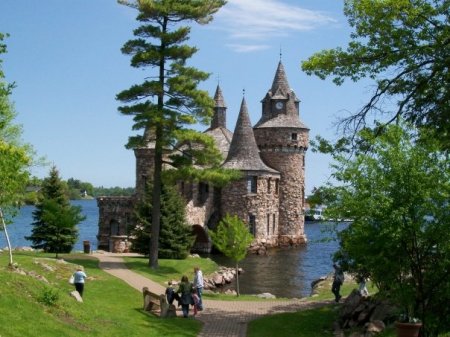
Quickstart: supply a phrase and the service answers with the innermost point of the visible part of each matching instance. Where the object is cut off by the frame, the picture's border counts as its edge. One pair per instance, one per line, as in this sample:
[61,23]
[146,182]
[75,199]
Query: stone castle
[270,196]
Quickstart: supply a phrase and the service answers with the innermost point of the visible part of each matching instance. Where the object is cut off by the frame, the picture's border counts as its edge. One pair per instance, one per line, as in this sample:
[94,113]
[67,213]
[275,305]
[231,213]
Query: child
[171,295]
[196,300]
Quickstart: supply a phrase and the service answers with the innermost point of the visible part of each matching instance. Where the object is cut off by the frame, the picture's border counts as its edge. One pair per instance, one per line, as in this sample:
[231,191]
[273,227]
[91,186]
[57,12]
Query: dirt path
[220,318]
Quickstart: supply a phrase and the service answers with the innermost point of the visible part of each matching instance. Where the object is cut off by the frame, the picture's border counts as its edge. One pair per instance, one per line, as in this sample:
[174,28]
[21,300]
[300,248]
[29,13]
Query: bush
[49,297]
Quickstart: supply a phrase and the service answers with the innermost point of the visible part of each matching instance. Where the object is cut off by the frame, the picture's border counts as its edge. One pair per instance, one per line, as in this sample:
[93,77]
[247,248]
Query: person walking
[79,278]
[198,285]
[185,291]
[338,280]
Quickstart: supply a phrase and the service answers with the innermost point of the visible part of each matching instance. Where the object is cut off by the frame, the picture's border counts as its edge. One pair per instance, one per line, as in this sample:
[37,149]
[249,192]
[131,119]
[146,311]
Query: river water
[283,273]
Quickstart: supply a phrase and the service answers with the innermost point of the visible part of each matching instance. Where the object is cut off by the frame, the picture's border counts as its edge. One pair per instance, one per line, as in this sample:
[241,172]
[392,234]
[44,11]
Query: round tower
[254,197]
[283,140]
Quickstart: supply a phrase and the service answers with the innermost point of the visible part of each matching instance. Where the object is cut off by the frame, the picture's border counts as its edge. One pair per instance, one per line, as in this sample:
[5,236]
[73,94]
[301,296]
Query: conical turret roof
[218,130]
[244,153]
[218,98]
[280,90]
[280,85]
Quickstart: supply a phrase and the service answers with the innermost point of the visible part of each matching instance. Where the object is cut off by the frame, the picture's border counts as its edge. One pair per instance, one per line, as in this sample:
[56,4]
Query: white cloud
[245,48]
[256,20]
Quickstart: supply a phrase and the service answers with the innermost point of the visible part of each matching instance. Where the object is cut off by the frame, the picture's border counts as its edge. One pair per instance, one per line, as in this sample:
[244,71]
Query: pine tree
[169,99]
[55,220]
[175,236]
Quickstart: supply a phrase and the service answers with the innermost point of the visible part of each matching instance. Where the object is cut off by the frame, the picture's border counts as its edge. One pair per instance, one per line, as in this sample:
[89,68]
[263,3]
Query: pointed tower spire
[220,110]
[244,153]
[280,86]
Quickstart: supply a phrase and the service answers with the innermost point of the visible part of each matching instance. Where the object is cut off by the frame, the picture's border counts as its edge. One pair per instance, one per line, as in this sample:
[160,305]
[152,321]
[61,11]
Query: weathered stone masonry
[271,194]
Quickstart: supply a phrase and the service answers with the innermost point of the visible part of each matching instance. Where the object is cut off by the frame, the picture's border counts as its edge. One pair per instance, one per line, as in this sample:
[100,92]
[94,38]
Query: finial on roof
[281,54]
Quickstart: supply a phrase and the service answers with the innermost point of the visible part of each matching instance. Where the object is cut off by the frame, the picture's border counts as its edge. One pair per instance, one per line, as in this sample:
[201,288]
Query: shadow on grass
[174,326]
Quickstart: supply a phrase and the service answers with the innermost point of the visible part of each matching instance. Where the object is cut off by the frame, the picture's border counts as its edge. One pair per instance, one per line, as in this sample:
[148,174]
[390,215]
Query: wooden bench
[157,304]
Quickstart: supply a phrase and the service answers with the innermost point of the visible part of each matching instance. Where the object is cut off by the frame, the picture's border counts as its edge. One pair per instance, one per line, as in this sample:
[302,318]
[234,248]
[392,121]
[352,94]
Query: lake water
[22,227]
[284,272]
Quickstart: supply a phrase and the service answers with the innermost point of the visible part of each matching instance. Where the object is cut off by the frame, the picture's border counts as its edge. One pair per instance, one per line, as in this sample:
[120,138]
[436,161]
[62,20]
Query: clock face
[279,105]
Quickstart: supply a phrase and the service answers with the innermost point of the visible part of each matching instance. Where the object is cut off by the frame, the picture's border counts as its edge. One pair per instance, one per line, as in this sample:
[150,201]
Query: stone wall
[236,200]
[115,219]
[145,158]
[285,152]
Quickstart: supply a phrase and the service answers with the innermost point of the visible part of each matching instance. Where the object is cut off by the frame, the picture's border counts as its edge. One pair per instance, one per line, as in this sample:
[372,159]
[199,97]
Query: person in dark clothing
[185,291]
[338,280]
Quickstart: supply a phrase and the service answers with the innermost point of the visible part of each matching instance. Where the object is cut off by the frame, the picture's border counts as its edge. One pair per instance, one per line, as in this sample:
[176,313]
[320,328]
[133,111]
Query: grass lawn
[170,269]
[30,307]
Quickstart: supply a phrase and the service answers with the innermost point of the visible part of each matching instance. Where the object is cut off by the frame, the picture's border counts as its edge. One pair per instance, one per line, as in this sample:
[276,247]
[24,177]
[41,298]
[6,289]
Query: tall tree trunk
[156,202]
[159,134]
[7,238]
[237,279]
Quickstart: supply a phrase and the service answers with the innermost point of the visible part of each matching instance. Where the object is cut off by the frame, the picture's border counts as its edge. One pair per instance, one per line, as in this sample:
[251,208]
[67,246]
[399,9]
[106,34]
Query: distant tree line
[75,189]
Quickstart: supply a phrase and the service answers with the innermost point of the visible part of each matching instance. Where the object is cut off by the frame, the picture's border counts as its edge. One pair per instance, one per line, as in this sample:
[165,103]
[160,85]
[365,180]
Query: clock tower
[282,140]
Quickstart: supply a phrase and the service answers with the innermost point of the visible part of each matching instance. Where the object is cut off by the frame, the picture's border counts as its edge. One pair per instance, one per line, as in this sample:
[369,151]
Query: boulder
[75,294]
[266,295]
[375,326]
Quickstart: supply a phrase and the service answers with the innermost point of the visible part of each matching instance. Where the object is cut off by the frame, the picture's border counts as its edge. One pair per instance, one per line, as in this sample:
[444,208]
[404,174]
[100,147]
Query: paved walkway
[220,318]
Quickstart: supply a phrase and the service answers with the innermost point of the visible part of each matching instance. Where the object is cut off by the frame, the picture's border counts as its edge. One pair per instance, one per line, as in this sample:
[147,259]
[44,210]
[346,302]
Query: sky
[65,59]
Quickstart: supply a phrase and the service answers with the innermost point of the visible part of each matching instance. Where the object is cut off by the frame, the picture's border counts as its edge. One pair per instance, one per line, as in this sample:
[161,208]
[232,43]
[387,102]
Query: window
[276,186]
[114,228]
[273,223]
[293,136]
[252,184]
[269,183]
[203,190]
[268,224]
[252,224]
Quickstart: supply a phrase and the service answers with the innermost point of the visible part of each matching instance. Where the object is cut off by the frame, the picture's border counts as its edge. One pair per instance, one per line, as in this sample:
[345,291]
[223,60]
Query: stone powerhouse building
[269,197]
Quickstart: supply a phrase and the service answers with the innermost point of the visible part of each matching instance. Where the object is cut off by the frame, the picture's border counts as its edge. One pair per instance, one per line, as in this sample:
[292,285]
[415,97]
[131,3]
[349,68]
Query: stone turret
[218,129]
[254,198]
[282,140]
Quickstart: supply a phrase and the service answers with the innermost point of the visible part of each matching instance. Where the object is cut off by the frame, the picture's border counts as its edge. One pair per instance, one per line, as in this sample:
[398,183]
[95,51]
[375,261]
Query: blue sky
[65,59]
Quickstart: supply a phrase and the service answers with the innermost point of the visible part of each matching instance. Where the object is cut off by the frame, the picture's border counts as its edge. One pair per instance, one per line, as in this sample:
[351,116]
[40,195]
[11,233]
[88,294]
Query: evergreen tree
[55,220]
[168,100]
[175,236]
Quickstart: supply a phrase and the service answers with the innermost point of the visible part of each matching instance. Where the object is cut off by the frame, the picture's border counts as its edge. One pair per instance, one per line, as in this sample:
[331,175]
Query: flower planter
[408,329]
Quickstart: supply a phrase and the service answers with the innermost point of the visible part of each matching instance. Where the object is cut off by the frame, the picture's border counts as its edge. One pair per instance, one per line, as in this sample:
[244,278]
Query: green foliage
[78,188]
[232,238]
[169,100]
[398,197]
[55,220]
[175,237]
[402,45]
[113,191]
[49,296]
[16,157]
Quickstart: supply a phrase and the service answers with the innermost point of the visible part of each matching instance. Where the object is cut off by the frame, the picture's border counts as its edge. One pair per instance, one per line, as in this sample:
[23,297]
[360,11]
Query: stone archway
[202,242]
